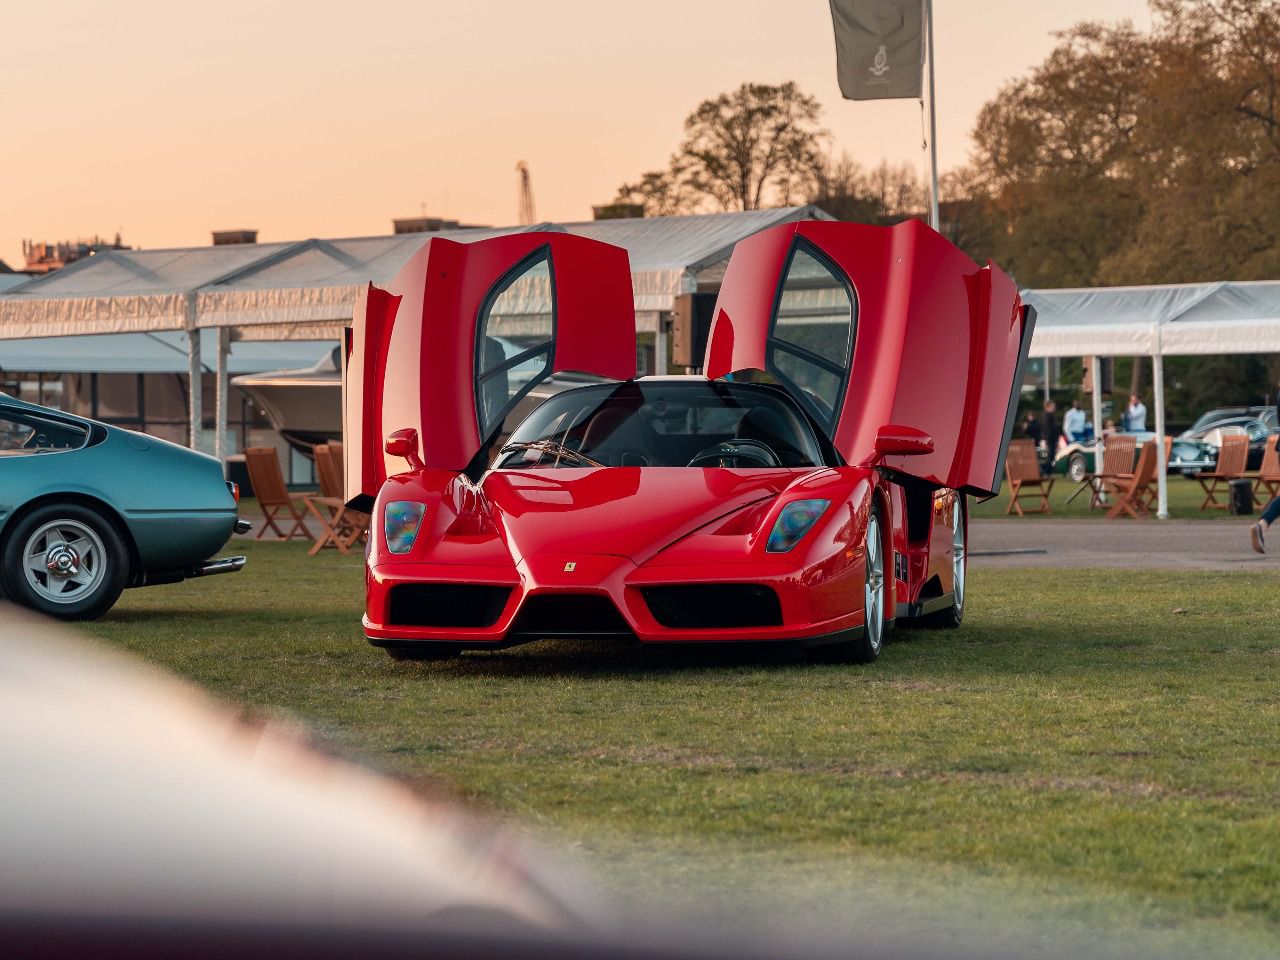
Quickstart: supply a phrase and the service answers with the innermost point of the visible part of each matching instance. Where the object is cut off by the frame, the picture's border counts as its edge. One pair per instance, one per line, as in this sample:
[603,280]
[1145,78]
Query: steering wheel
[755,453]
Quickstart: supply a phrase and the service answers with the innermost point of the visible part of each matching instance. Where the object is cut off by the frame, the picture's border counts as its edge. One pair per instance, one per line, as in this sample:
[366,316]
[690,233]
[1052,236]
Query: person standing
[1031,429]
[1048,436]
[1135,418]
[1073,423]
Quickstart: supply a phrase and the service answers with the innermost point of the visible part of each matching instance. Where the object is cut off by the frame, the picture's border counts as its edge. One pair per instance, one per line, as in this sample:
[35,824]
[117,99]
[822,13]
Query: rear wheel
[66,560]
[952,616]
[1076,469]
[867,647]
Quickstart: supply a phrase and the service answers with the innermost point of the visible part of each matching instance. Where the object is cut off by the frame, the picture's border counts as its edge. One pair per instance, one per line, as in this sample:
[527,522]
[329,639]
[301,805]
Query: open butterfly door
[464,331]
[875,326]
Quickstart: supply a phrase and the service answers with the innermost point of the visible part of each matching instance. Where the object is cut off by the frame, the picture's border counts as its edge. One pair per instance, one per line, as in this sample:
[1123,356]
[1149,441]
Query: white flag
[879,48]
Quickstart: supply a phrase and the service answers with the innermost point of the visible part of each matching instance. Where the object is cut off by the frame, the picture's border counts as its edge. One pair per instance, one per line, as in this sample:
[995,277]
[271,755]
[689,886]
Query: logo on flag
[879,48]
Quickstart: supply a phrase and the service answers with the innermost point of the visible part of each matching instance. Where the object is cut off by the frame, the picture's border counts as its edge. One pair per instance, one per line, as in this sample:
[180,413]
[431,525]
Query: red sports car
[809,486]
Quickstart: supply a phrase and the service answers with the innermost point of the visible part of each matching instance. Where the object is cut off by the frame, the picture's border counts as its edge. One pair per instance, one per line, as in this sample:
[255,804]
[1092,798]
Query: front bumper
[803,616]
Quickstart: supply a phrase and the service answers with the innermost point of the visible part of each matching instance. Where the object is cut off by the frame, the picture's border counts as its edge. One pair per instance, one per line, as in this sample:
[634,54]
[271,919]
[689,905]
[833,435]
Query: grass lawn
[1185,497]
[1065,755]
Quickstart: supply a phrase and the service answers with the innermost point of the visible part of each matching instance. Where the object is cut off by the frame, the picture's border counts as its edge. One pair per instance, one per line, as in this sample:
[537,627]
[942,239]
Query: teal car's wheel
[1076,468]
[65,560]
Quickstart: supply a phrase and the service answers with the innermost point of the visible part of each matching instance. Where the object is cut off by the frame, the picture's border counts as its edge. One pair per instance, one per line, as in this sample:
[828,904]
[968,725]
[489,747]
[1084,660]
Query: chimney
[223,237]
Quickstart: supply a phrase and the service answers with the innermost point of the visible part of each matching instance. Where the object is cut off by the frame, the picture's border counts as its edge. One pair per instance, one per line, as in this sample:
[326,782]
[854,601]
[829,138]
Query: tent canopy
[307,289]
[160,352]
[1166,320]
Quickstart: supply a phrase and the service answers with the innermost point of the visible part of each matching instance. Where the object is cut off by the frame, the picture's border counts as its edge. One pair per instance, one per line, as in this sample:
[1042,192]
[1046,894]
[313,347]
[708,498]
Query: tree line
[1126,157]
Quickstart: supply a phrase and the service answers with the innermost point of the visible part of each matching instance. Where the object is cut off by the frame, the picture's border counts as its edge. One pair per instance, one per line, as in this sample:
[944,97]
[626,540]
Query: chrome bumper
[242,525]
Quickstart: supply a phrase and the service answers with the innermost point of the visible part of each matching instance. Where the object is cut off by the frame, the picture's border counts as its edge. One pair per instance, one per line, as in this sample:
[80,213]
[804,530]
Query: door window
[515,337]
[811,338]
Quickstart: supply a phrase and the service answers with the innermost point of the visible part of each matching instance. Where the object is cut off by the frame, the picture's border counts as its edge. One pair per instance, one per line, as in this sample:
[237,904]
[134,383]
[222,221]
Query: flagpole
[933,125]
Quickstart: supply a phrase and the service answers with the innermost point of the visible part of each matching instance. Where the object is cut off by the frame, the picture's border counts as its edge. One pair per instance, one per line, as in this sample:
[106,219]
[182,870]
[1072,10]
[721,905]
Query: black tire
[952,616]
[106,562]
[422,650]
[867,646]
[1076,468]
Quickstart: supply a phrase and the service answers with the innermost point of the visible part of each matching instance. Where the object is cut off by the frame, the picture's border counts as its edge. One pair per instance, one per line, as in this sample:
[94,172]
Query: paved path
[1165,544]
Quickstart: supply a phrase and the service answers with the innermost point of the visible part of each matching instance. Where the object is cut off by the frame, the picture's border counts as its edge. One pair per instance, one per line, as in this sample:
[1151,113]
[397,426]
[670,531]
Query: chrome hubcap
[958,550]
[873,599]
[64,561]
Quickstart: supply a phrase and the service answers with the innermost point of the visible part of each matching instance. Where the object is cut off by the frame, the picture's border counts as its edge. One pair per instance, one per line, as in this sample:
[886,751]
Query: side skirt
[911,610]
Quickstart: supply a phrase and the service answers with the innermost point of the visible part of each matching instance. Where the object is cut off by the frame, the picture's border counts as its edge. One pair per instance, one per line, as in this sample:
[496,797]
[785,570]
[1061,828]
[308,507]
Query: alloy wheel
[64,561]
[873,598]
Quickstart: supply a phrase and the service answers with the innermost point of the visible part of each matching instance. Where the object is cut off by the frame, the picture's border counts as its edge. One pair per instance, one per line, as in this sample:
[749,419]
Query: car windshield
[665,424]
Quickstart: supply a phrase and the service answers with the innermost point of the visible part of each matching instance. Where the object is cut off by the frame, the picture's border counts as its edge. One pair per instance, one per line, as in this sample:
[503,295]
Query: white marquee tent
[1157,322]
[306,290]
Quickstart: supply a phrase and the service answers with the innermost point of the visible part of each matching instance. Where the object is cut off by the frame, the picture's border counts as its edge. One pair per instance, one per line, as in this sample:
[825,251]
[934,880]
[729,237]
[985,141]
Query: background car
[1211,418]
[88,509]
[1187,457]
[1257,429]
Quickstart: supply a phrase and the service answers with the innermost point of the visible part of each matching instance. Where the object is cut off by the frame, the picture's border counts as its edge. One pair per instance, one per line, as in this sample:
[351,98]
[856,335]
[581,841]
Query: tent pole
[1157,386]
[1095,377]
[195,369]
[220,401]
[660,355]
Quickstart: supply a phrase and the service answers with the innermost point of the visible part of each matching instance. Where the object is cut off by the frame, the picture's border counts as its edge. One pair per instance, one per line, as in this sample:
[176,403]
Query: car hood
[629,512]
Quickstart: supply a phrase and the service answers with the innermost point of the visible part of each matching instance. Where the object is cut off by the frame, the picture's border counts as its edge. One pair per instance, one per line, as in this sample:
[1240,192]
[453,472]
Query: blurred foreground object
[133,805]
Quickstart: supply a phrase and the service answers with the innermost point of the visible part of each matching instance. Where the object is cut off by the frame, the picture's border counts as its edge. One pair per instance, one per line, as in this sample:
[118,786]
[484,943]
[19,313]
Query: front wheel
[1076,468]
[866,647]
[65,560]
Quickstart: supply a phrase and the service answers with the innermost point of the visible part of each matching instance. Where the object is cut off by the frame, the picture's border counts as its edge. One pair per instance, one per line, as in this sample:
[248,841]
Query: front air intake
[714,606]
[565,616]
[445,605]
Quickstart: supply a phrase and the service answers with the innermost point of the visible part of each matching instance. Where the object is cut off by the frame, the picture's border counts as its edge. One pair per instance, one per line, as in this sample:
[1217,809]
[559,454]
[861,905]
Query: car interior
[668,425]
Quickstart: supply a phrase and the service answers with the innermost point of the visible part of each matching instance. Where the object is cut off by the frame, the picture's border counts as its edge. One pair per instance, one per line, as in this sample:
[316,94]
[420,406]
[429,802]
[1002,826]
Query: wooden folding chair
[340,525]
[1133,496]
[1233,457]
[263,465]
[1118,454]
[1022,469]
[1268,477]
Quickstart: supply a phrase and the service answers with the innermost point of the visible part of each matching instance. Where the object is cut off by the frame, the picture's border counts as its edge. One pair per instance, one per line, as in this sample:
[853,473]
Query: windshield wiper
[557,450]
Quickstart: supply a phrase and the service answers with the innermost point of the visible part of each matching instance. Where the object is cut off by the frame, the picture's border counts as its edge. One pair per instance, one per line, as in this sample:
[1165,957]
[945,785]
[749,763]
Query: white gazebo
[306,290]
[1156,322]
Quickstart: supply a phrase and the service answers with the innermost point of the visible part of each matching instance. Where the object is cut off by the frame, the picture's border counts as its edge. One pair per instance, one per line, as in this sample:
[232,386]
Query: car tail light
[793,523]
[235,491]
[400,522]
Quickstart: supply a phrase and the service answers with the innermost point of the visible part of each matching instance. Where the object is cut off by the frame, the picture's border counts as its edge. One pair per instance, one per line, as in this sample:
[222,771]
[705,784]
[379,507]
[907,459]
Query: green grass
[1099,758]
[1185,497]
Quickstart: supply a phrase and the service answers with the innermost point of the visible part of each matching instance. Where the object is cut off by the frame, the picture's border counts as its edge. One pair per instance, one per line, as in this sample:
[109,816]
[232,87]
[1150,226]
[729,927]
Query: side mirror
[404,443]
[898,441]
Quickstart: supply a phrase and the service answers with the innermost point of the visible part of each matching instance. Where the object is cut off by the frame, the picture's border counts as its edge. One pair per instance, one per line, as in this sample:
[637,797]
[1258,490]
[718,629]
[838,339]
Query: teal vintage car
[87,509]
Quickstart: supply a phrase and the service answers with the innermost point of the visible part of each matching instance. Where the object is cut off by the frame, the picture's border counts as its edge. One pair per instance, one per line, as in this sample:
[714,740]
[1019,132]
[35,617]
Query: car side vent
[569,615]
[445,605]
[710,606]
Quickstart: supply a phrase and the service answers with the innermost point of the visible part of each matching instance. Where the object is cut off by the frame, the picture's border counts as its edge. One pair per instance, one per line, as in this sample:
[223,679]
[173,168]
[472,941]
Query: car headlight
[400,522]
[793,523]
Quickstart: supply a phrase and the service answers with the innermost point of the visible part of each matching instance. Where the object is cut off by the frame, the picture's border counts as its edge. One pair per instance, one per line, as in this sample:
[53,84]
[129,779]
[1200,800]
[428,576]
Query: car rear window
[24,433]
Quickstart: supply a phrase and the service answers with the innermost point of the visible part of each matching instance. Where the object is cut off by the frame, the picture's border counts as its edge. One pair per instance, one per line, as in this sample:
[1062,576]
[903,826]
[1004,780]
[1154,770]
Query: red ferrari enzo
[809,486]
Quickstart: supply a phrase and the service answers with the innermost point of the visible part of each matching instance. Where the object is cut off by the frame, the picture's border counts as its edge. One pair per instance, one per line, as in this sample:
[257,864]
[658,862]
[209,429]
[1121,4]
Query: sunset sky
[168,120]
